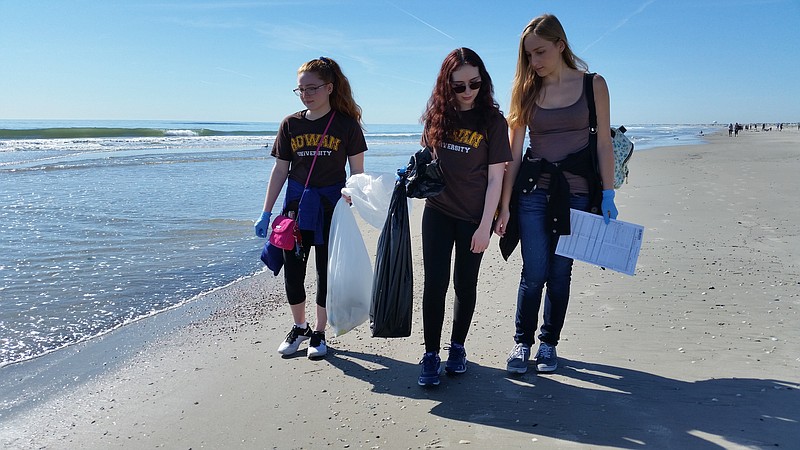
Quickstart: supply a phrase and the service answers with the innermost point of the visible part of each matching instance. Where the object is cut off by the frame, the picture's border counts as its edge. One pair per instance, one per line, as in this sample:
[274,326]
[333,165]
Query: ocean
[104,223]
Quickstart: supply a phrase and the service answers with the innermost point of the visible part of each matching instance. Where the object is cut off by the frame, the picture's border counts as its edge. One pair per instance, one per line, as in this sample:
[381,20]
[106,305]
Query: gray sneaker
[546,358]
[518,359]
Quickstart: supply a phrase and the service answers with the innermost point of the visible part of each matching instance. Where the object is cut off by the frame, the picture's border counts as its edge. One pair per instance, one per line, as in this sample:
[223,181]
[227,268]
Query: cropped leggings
[440,233]
[294,266]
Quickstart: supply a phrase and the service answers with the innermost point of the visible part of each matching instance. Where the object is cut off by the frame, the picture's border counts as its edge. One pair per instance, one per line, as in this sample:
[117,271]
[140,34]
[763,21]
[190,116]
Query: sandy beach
[700,349]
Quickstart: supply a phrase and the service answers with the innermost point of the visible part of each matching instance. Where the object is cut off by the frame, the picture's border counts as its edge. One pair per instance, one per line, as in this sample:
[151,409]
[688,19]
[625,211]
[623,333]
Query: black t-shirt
[465,156]
[297,141]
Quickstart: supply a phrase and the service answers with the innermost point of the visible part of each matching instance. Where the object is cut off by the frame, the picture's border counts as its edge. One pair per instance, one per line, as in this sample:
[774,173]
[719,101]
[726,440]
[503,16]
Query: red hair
[443,110]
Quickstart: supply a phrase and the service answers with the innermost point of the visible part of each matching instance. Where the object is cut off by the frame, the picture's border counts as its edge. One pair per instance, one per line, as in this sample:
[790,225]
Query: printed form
[615,246]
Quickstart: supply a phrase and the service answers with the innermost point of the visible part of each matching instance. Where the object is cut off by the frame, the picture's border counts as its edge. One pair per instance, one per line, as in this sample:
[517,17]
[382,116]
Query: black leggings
[294,267]
[440,233]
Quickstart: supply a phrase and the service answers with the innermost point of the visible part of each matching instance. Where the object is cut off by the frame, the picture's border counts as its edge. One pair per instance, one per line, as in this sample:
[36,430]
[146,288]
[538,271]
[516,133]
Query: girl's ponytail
[342,96]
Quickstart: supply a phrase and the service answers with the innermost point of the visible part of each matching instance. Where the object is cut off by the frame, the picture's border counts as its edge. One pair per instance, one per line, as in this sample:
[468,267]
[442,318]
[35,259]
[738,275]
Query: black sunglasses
[461,88]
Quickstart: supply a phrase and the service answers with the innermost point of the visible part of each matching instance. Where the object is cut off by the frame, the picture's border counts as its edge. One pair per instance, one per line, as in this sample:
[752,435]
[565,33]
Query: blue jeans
[540,267]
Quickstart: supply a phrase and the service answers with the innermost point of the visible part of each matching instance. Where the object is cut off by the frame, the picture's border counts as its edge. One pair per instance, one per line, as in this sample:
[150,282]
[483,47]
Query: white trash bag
[371,195]
[349,273]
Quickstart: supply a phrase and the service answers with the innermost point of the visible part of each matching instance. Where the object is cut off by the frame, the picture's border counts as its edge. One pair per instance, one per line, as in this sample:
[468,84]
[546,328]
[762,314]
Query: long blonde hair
[527,84]
[342,96]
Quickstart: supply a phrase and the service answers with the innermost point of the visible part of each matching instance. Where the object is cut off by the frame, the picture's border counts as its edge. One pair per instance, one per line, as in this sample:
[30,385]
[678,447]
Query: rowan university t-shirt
[465,156]
[297,141]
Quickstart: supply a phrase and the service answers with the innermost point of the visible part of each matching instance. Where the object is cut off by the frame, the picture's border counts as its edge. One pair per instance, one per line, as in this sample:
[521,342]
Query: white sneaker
[317,347]
[292,342]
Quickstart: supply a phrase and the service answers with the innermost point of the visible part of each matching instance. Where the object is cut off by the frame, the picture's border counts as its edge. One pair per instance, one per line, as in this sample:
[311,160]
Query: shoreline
[678,355]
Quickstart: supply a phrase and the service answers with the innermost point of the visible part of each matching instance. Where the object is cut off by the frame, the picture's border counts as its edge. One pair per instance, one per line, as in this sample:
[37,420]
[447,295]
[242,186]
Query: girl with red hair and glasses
[325,92]
[466,131]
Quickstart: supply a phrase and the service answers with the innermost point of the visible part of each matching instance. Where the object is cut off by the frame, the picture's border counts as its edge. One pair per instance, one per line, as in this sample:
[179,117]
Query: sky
[665,61]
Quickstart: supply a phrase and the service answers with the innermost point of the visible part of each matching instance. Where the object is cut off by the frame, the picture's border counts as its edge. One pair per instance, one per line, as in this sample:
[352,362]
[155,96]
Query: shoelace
[546,351]
[293,334]
[429,363]
[518,351]
[459,351]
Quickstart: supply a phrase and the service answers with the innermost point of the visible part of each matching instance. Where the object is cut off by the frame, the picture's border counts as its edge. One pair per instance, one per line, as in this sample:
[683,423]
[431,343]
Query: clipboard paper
[615,245]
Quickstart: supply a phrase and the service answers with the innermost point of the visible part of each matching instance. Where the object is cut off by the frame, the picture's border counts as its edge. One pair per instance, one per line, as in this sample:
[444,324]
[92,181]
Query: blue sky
[666,61]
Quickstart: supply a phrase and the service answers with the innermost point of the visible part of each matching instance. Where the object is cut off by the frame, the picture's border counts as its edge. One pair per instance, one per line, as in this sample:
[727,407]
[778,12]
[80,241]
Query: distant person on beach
[325,92]
[556,173]
[730,129]
[468,134]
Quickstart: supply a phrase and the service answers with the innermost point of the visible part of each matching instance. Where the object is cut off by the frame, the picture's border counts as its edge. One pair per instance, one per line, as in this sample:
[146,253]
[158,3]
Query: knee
[533,279]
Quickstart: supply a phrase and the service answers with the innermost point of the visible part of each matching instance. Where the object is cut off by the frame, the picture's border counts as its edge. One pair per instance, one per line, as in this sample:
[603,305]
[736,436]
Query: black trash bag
[424,175]
[392,287]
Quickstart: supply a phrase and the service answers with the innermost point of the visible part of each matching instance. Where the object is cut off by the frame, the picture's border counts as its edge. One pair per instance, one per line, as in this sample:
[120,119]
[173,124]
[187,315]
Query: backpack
[623,147]
[623,150]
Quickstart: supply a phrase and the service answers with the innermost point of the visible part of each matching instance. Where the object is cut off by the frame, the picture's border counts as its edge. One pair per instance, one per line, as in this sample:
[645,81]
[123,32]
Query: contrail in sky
[235,73]
[620,24]
[423,22]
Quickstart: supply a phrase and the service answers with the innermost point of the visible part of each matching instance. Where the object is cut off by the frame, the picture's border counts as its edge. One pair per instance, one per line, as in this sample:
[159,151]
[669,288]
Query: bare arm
[356,163]
[480,239]
[280,171]
[516,137]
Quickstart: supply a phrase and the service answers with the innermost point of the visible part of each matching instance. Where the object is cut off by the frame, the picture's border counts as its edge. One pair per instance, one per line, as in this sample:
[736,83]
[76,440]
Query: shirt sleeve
[358,144]
[499,147]
[282,148]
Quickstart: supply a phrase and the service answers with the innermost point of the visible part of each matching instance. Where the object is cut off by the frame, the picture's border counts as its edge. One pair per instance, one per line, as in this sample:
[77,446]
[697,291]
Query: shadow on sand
[596,404]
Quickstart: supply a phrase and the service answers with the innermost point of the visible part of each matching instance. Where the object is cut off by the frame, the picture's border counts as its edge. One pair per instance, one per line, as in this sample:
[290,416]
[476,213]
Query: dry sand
[700,349]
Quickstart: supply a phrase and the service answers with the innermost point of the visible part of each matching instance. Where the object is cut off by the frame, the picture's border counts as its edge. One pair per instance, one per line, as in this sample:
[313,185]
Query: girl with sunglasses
[467,133]
[555,174]
[325,92]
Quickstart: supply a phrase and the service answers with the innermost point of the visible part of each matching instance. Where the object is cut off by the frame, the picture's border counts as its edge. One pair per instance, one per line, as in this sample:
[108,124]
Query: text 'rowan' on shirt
[312,139]
[467,137]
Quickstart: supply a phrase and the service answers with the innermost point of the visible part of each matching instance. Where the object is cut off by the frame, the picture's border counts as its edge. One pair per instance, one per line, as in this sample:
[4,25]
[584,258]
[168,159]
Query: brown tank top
[556,133]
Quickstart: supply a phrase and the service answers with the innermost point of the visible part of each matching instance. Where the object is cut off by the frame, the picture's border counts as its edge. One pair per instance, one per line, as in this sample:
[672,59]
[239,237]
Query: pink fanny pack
[284,233]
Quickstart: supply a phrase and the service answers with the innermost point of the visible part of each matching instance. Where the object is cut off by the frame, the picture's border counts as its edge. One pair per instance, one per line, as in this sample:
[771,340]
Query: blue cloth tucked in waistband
[311,211]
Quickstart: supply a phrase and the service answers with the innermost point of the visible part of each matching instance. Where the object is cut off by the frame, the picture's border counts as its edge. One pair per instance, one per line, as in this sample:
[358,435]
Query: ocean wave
[62,147]
[392,135]
[180,133]
[103,132]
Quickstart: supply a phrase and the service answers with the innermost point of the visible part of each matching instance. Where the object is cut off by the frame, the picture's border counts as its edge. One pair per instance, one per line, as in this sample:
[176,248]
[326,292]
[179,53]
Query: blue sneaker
[456,360]
[546,358]
[431,367]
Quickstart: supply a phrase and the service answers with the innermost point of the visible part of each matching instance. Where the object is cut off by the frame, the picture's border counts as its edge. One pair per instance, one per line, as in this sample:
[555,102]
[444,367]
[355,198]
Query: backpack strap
[588,89]
[594,191]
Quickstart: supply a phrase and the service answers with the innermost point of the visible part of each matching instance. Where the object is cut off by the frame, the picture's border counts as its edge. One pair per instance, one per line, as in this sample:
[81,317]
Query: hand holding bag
[424,176]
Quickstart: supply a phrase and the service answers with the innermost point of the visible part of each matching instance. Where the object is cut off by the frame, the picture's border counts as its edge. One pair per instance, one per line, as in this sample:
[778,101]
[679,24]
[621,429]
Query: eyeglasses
[308,91]
[461,88]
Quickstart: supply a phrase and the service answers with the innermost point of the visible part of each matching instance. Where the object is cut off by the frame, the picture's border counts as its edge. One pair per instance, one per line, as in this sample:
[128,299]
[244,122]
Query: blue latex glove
[607,205]
[262,225]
